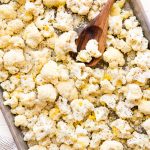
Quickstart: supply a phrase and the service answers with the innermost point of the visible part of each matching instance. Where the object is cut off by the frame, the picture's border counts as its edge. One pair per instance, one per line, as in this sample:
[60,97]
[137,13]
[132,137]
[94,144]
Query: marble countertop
[4,131]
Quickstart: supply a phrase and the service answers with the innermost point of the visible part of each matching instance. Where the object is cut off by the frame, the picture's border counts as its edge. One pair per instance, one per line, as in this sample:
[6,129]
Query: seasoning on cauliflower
[32,36]
[81,7]
[47,93]
[21,120]
[54,3]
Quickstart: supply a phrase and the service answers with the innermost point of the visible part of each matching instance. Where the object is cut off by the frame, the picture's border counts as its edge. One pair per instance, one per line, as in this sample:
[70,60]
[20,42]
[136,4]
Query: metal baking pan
[16,133]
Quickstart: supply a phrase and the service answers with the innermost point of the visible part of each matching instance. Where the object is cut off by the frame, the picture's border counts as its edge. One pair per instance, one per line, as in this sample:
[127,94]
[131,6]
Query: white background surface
[4,131]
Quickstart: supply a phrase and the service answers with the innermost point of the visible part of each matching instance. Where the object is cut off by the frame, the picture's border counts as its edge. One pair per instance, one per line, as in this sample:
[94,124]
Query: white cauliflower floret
[4,1]
[101,113]
[90,51]
[114,57]
[4,41]
[7,12]
[89,89]
[12,102]
[65,133]
[43,127]
[27,83]
[122,45]
[109,145]
[67,89]
[136,40]
[136,74]
[47,93]
[64,20]
[121,128]
[81,7]
[14,60]
[8,85]
[17,41]
[139,141]
[28,99]
[80,108]
[65,44]
[15,26]
[32,36]
[106,86]
[81,131]
[146,126]
[115,24]
[63,72]
[82,142]
[84,56]
[3,75]
[92,48]
[123,111]
[37,147]
[142,59]
[109,99]
[49,71]
[133,93]
[131,23]
[54,3]
[21,120]
[144,106]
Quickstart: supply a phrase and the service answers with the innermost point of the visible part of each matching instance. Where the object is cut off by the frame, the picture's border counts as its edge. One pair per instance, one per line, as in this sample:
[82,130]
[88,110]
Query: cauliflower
[146,126]
[54,3]
[146,94]
[8,86]
[106,86]
[17,42]
[15,26]
[80,108]
[7,12]
[65,133]
[49,71]
[43,127]
[115,24]
[136,40]
[84,56]
[32,36]
[101,113]
[65,44]
[108,145]
[109,99]
[12,102]
[142,59]
[67,89]
[114,57]
[27,83]
[81,7]
[28,99]
[121,129]
[90,51]
[82,142]
[53,147]
[65,147]
[3,75]
[139,141]
[144,106]
[4,41]
[131,23]
[64,20]
[123,111]
[47,93]
[14,60]
[133,93]
[21,120]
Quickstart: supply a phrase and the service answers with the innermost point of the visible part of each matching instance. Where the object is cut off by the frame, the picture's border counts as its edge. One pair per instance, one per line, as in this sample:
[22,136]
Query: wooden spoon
[97,29]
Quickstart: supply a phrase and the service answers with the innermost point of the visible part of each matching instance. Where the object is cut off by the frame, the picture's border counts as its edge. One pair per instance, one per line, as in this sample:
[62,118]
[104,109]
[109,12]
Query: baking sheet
[16,133]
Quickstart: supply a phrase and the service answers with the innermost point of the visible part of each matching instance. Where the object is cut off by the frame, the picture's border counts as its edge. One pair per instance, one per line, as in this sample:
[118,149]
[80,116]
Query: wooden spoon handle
[101,20]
